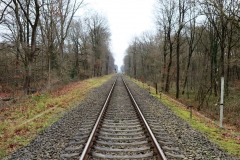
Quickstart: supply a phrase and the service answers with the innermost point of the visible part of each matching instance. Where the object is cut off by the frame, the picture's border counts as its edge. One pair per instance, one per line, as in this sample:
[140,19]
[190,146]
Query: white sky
[127,19]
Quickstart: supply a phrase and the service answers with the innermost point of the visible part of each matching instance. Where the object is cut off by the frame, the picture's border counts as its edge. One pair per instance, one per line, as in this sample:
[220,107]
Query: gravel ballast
[193,144]
[50,143]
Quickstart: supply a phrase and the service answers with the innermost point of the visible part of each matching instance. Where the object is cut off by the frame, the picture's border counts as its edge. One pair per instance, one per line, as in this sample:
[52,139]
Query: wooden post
[156,88]
[190,108]
[191,112]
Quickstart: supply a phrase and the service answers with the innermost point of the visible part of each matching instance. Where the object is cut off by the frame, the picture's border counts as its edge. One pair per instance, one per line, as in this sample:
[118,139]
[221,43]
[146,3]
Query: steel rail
[87,147]
[157,147]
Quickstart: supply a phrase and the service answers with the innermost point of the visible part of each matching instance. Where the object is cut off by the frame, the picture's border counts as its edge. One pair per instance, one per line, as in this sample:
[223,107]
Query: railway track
[120,131]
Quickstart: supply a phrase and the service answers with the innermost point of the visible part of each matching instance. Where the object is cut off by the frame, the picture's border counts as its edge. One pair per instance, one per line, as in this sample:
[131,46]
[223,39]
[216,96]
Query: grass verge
[20,123]
[225,138]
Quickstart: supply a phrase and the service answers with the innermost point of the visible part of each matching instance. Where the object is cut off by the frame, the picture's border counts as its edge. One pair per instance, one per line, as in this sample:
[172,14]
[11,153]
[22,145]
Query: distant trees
[142,59]
[196,44]
[99,38]
[90,37]
[44,43]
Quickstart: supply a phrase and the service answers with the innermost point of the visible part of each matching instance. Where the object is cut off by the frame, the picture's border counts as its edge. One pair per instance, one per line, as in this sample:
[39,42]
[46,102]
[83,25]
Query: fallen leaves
[238,139]
[227,135]
[21,131]
[50,106]
[13,146]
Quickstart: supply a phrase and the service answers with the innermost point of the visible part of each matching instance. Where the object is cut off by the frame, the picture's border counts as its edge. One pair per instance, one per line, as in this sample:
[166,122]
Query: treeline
[44,43]
[197,43]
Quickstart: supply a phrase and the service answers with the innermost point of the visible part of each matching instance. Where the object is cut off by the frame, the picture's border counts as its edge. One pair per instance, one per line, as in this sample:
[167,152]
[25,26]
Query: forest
[196,43]
[45,45]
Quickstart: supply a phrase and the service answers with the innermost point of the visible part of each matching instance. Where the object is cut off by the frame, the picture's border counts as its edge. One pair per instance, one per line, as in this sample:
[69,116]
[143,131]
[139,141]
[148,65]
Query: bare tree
[193,35]
[28,41]
[63,16]
[48,34]
[99,36]
[165,19]
[213,12]
[182,9]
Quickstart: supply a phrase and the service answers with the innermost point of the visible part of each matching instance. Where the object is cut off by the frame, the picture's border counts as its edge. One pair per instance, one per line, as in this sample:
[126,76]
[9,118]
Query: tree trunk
[228,73]
[178,65]
[188,65]
[167,86]
[28,77]
[164,60]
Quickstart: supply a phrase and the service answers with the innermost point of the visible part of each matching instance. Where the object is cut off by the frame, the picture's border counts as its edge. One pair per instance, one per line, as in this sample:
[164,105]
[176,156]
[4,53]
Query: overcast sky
[127,19]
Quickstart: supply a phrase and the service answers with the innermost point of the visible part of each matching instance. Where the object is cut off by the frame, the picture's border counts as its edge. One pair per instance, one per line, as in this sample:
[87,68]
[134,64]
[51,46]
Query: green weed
[40,97]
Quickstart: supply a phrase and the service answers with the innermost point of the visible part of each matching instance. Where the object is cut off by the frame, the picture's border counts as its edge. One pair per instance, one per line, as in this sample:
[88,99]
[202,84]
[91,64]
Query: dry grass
[21,122]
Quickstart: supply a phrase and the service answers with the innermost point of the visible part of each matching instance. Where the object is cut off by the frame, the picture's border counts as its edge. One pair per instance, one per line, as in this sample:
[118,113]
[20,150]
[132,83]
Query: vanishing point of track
[120,132]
